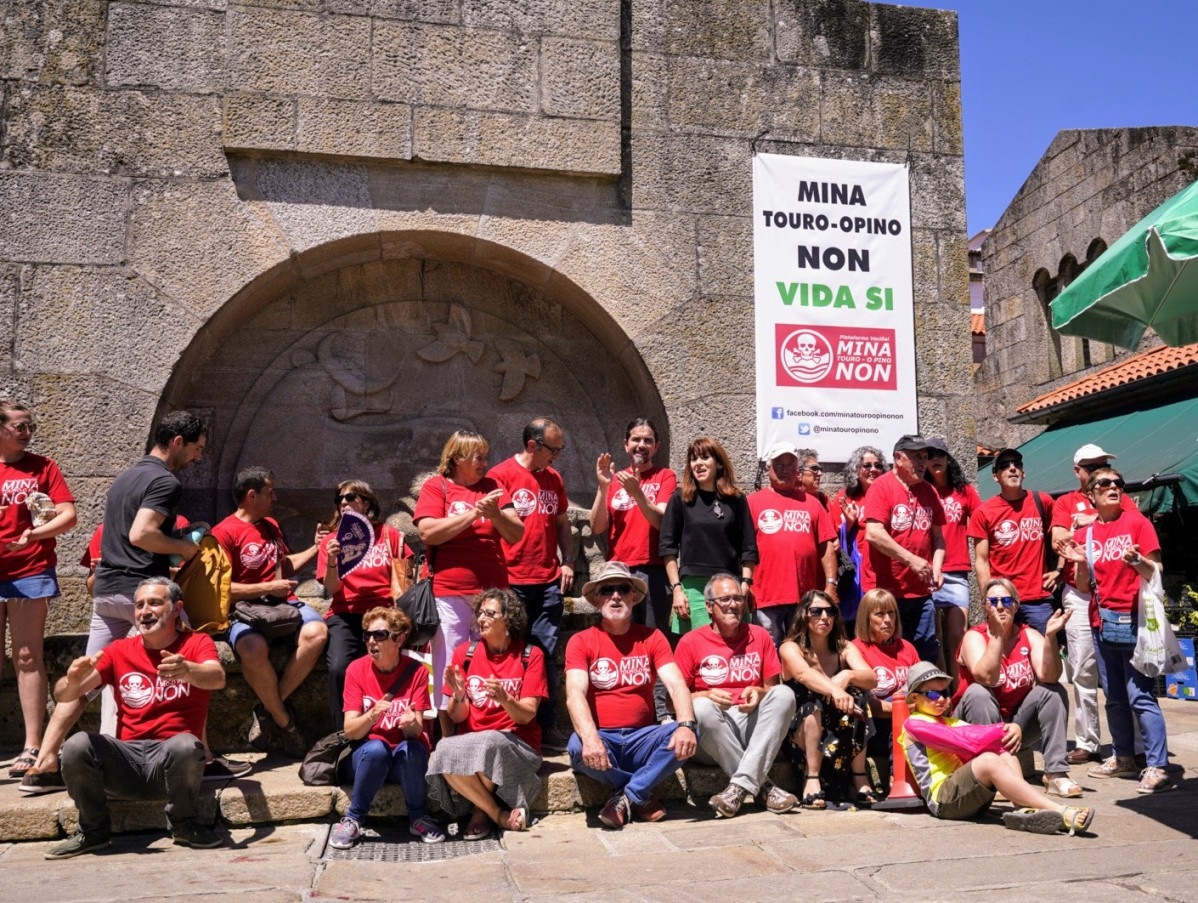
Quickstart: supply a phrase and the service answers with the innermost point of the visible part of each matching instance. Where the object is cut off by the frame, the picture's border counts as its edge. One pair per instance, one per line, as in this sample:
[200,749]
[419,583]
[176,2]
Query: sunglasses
[814,469]
[935,695]
[379,635]
[870,467]
[1108,482]
[821,612]
[1090,468]
[348,497]
[1009,464]
[23,427]
[1004,601]
[610,589]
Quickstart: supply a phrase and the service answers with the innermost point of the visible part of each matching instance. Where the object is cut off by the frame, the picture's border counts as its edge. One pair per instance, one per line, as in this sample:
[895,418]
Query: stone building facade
[340,229]
[1089,188]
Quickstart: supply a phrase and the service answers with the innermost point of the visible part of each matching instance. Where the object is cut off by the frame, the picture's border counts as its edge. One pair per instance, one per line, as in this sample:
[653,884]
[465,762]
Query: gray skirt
[501,756]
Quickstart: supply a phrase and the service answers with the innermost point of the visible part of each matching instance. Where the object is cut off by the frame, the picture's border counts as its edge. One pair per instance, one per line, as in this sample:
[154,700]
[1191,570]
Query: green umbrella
[1147,278]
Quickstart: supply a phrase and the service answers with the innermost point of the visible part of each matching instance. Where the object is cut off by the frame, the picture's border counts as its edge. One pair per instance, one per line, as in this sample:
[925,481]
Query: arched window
[1046,289]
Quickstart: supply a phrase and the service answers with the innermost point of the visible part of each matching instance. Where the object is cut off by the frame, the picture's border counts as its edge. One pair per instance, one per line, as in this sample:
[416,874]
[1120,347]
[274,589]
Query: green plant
[1183,614]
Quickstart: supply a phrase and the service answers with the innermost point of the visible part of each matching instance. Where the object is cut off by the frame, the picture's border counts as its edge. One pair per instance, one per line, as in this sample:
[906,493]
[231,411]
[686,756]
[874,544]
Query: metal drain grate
[396,845]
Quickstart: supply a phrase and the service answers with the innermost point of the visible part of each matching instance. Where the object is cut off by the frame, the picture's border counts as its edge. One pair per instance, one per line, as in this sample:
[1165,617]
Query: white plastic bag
[1157,651]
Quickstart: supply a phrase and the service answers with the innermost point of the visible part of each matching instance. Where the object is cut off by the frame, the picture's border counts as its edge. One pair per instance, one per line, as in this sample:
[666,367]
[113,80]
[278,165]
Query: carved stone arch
[358,359]
[1095,250]
[1045,287]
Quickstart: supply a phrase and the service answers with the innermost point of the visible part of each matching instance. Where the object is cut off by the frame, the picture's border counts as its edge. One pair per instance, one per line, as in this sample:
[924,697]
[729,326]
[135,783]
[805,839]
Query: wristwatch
[748,580]
[692,726]
[674,586]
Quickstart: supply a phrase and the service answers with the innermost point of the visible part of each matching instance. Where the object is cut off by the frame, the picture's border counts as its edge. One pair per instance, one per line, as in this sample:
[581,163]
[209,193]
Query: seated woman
[880,641]
[959,766]
[494,686]
[385,701]
[831,727]
[1009,673]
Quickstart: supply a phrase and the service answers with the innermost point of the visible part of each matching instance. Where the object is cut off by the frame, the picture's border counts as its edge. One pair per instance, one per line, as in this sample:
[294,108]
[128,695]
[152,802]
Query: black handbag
[420,604]
[273,618]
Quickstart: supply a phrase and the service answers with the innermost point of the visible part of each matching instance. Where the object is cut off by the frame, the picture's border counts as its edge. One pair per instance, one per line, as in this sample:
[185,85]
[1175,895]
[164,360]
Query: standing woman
[810,474]
[28,579]
[367,586]
[1112,555]
[864,466]
[461,515]
[707,530]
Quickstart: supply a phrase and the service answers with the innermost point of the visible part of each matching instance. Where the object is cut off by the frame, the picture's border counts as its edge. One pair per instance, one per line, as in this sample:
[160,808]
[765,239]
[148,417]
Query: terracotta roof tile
[1150,363]
[977,324]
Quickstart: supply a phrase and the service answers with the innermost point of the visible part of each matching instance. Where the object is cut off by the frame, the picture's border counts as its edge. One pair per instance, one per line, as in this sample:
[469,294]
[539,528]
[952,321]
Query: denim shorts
[955,592]
[39,586]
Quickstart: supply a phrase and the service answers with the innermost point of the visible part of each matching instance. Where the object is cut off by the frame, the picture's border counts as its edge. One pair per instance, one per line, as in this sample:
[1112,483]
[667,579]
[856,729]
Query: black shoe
[77,843]
[553,739]
[222,769]
[38,782]
[193,834]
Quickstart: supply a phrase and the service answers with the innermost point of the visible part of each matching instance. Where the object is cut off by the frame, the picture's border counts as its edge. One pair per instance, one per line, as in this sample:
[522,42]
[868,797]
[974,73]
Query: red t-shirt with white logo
[890,662]
[1016,536]
[789,529]
[538,497]
[485,714]
[1016,676]
[630,537]
[254,550]
[473,560]
[959,506]
[365,685]
[621,671]
[32,473]
[908,515]
[148,707]
[711,662]
[1118,583]
[369,584]
[1069,506]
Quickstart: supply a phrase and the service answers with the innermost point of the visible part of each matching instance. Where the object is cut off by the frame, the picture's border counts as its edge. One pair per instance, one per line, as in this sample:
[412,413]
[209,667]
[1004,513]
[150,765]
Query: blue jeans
[1129,692]
[1035,614]
[639,757]
[918,617]
[777,620]
[375,763]
[543,603]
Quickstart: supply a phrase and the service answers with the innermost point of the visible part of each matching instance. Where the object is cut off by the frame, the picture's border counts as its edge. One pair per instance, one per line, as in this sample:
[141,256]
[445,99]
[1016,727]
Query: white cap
[1089,452]
[778,449]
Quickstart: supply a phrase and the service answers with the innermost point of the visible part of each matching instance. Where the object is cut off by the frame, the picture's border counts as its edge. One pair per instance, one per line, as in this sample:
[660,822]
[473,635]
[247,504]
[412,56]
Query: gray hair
[852,485]
[709,593]
[175,591]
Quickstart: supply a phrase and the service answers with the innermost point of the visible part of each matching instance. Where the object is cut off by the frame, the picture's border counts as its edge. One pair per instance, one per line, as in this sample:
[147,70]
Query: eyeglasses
[488,614]
[549,448]
[379,635]
[1108,482]
[822,612]
[1004,601]
[874,466]
[610,589]
[735,599]
[1009,464]
[348,497]
[935,695]
[815,468]
[23,427]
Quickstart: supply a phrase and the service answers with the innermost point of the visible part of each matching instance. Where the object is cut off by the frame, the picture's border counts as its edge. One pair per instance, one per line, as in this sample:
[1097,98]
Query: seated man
[162,679]
[734,676]
[1009,673]
[610,671]
[262,567]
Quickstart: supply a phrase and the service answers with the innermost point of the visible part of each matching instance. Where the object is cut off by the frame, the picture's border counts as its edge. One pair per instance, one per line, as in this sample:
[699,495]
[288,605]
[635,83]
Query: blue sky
[1030,68]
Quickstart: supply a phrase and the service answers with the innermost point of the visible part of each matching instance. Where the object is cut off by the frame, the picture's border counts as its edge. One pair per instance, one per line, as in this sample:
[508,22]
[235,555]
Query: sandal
[865,795]
[478,830]
[1077,819]
[517,819]
[815,800]
[1062,785]
[22,763]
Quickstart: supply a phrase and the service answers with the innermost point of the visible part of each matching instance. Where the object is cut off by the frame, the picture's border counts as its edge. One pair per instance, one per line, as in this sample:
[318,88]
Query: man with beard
[162,680]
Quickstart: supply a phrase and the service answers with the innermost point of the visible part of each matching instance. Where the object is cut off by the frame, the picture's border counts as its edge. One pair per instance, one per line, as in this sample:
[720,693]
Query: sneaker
[222,769]
[77,843]
[776,799]
[38,782]
[553,739]
[194,834]
[345,834]
[1114,767]
[728,801]
[651,811]
[427,830]
[617,812]
[1154,780]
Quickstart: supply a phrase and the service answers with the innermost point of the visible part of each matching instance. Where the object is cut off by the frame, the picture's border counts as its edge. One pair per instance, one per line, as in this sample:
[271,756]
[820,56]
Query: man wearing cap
[1071,512]
[1011,540]
[905,548]
[610,671]
[794,541]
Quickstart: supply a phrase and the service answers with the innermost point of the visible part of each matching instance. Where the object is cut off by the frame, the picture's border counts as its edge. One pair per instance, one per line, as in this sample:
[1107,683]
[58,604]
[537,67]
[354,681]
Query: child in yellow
[959,766]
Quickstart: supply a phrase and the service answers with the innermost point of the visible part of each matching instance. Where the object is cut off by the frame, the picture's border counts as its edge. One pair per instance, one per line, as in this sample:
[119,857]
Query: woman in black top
[708,526]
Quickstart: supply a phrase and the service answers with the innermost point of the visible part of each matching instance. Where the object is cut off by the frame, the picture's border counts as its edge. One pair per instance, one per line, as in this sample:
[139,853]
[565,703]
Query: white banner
[835,314]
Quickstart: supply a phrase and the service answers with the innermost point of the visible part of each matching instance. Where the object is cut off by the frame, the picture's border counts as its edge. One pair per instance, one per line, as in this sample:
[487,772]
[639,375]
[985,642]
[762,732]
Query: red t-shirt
[148,707]
[1016,537]
[621,670]
[365,685]
[908,515]
[959,506]
[485,714]
[1066,508]
[539,497]
[789,530]
[1016,675]
[630,537]
[710,662]
[890,662]
[254,550]
[1118,583]
[369,584]
[32,473]
[473,560]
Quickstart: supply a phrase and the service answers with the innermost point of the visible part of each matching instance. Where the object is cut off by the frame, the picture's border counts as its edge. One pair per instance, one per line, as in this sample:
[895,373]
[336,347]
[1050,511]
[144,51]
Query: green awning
[1153,442]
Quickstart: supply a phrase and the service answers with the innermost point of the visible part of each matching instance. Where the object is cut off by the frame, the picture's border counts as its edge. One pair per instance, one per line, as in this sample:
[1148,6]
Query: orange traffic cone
[903,794]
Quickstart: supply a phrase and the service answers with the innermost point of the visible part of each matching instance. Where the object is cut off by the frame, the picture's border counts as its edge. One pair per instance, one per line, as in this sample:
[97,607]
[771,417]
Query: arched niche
[359,358]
